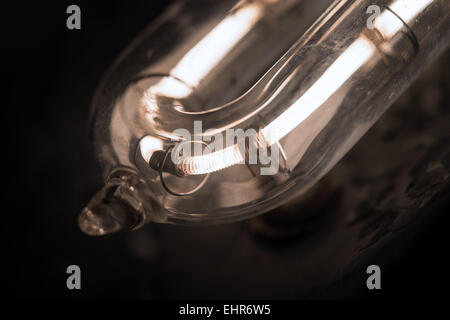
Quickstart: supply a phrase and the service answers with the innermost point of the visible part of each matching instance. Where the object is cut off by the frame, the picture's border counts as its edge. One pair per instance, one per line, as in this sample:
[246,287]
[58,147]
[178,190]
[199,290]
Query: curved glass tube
[223,110]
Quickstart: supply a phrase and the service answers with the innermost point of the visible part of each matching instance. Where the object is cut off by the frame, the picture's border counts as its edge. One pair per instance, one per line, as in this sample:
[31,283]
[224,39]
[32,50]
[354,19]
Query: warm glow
[149,145]
[389,25]
[206,54]
[213,161]
[333,78]
[201,59]
[168,87]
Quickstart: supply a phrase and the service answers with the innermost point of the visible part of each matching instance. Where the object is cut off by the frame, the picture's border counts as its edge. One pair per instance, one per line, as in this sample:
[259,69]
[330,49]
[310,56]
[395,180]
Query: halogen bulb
[219,117]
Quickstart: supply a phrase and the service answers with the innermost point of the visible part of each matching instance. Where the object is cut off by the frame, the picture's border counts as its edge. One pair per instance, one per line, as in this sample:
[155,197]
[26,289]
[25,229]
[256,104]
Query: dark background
[51,75]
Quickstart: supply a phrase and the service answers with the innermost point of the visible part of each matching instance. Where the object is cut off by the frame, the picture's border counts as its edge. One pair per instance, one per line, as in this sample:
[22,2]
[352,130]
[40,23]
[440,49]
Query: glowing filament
[211,162]
[333,78]
[407,10]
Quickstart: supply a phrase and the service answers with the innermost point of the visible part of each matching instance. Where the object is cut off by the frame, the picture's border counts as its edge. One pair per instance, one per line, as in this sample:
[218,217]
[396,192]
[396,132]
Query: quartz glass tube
[245,113]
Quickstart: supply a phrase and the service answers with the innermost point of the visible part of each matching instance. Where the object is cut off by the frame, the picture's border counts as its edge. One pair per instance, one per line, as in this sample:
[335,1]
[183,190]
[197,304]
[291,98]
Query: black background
[51,75]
